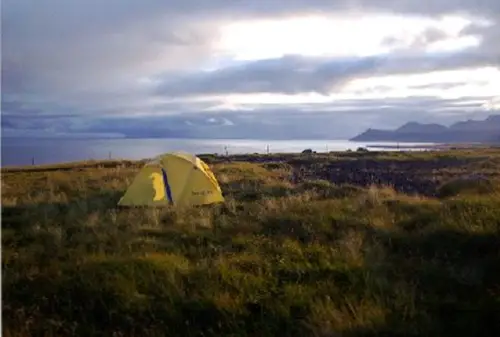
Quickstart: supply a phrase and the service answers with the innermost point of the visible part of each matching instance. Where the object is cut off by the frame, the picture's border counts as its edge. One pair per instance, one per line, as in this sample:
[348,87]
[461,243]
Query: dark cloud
[430,35]
[289,75]
[86,45]
[490,35]
[295,74]
[335,120]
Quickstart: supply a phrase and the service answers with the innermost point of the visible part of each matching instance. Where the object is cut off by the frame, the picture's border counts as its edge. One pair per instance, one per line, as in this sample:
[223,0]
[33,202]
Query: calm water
[48,151]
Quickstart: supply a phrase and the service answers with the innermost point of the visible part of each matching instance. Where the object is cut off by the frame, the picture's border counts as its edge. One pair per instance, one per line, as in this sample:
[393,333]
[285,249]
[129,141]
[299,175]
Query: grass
[310,258]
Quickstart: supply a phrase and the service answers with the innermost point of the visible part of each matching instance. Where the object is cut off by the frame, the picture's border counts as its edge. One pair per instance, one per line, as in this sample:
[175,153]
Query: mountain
[471,131]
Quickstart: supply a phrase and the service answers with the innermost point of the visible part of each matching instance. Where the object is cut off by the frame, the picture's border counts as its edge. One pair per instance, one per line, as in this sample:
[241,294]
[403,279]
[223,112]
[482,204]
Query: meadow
[359,244]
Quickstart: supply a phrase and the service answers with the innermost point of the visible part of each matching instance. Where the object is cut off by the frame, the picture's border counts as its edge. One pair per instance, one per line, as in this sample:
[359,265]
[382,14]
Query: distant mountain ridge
[473,131]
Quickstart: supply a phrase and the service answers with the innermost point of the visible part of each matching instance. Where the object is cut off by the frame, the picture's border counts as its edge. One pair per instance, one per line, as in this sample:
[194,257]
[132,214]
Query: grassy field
[311,257]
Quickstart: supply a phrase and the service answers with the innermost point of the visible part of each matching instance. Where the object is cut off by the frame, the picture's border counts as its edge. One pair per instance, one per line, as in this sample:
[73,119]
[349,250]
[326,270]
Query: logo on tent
[201,193]
[158,186]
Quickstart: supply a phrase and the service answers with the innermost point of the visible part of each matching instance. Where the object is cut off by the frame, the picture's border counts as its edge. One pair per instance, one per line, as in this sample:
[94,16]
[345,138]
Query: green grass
[312,258]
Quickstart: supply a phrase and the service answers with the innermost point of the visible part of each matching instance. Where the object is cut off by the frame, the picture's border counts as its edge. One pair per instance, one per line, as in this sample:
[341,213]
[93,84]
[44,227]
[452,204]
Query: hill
[357,244]
[487,131]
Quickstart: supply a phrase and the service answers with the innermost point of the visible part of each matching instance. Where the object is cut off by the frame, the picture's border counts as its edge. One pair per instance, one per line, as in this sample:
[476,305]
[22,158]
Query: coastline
[444,146]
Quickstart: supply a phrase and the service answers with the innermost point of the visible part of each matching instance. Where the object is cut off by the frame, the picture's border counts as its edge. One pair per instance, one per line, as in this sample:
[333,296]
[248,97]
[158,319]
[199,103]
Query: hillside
[487,131]
[335,252]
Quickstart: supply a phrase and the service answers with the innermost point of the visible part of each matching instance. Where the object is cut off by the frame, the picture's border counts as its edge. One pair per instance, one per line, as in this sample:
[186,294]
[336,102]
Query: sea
[21,152]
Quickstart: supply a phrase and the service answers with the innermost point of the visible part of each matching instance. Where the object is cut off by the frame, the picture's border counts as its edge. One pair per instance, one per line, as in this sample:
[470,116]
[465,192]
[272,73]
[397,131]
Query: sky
[240,69]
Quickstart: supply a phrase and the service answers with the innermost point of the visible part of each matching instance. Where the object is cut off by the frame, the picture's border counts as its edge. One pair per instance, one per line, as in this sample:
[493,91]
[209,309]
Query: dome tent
[175,178]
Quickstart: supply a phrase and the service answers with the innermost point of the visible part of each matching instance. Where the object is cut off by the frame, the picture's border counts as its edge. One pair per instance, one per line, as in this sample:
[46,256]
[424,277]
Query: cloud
[90,45]
[335,120]
[290,75]
[295,74]
[73,66]
[59,47]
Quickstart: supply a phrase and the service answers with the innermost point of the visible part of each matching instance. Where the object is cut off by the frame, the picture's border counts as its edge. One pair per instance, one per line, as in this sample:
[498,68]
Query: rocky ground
[419,173]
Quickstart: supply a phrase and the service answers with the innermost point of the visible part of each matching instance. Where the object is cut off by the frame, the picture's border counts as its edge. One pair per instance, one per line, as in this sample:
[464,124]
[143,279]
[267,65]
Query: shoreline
[444,146]
[373,148]
[251,157]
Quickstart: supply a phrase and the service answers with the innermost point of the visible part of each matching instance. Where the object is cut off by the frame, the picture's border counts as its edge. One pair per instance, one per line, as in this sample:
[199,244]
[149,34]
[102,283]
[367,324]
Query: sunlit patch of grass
[243,171]
[468,186]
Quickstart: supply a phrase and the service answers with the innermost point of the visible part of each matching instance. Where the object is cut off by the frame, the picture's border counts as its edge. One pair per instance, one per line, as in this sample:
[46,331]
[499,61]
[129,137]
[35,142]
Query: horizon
[295,69]
[83,136]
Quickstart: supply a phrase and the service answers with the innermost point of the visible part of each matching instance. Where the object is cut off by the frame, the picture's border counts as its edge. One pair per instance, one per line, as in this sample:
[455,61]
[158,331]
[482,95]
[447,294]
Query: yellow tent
[173,179]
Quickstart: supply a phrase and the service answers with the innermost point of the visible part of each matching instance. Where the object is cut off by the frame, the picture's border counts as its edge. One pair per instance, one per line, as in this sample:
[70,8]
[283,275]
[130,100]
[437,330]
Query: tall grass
[277,259]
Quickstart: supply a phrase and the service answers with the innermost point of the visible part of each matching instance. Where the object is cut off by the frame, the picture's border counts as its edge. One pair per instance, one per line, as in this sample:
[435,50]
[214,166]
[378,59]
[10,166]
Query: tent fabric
[177,178]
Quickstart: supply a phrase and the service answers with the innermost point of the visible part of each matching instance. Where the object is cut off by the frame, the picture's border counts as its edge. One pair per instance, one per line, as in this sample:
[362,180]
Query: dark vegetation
[305,245]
